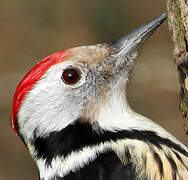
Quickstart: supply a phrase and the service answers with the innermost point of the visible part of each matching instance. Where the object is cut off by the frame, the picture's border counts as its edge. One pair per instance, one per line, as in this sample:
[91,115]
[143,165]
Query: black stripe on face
[76,136]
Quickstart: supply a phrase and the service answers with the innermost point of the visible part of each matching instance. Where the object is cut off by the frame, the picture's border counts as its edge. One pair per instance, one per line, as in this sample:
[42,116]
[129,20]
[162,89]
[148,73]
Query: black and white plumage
[72,113]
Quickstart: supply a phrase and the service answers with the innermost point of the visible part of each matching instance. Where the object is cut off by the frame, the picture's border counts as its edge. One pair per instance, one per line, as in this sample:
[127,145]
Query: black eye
[71,76]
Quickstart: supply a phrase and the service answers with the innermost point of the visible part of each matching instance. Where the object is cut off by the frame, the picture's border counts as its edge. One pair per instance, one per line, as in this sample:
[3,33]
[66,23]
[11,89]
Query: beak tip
[164,15]
[161,18]
[132,40]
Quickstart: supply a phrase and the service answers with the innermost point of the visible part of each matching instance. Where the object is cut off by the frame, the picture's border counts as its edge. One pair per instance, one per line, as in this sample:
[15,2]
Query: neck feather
[80,143]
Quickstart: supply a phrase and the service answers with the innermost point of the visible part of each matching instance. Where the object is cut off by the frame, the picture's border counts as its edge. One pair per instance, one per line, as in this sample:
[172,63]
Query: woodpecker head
[85,83]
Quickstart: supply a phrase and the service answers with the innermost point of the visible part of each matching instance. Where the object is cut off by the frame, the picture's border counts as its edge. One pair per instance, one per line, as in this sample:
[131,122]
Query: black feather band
[76,136]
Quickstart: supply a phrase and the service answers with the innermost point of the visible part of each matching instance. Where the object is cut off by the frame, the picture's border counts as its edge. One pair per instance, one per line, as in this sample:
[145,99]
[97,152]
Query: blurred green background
[31,30]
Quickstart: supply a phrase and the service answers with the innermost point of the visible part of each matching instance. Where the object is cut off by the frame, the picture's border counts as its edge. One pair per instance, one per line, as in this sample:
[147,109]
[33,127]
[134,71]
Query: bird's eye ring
[71,75]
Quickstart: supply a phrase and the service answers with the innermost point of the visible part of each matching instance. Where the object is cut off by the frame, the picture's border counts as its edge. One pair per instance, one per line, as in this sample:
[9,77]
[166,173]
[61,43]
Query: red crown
[31,78]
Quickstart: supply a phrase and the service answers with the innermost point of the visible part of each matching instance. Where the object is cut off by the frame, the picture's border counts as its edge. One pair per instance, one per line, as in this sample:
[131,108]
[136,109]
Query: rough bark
[178,24]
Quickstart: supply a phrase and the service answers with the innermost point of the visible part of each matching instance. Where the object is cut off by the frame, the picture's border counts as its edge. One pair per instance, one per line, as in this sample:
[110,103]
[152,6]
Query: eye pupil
[71,76]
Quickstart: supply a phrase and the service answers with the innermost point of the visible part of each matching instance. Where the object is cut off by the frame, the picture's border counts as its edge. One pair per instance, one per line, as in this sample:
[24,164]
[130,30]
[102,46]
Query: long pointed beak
[131,41]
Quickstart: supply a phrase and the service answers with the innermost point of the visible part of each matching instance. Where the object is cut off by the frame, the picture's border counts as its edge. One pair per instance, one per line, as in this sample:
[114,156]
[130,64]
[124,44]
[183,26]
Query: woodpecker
[72,113]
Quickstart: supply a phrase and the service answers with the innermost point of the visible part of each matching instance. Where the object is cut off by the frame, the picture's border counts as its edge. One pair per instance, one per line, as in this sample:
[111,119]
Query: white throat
[116,114]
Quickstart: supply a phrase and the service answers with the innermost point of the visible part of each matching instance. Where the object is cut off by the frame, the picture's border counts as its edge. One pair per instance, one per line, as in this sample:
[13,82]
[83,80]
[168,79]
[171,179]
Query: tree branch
[178,24]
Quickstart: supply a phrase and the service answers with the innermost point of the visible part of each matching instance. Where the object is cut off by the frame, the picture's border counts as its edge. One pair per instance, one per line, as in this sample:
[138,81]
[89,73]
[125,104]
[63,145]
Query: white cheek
[48,106]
